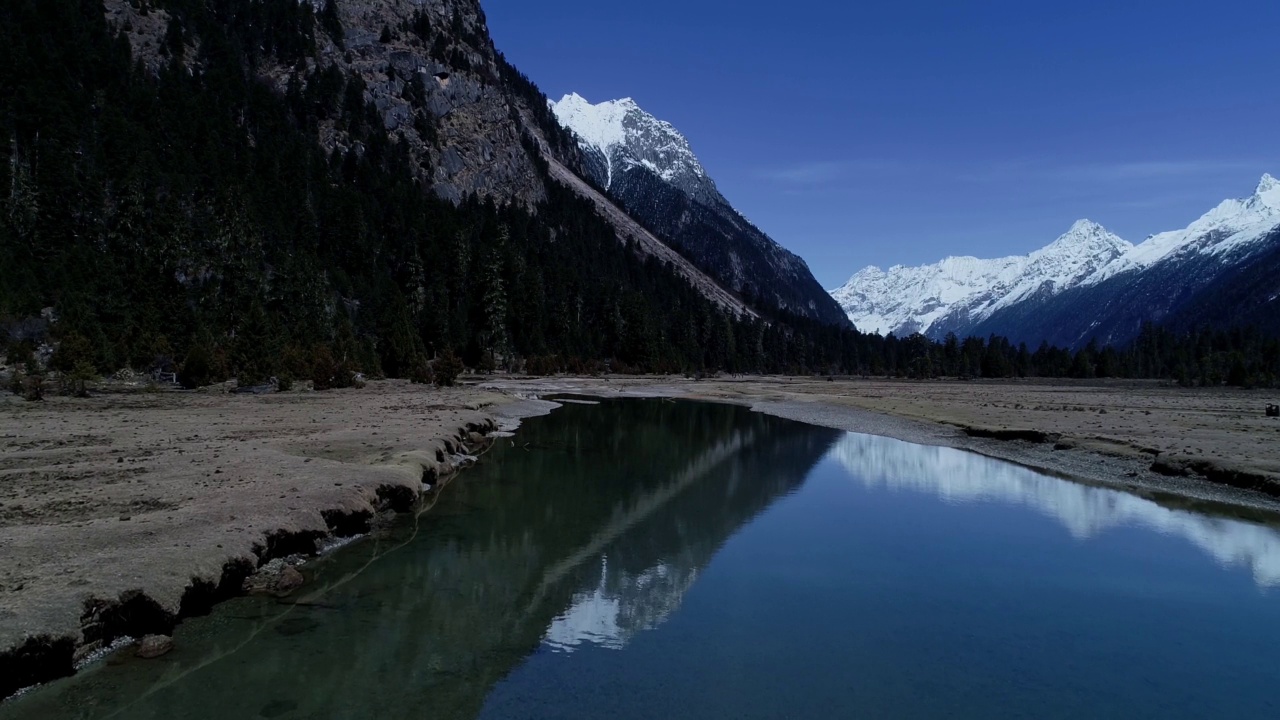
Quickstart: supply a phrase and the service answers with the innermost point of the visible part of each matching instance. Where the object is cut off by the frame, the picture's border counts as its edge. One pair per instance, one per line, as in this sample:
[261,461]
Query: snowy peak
[625,137]
[600,126]
[1085,226]
[1268,192]
[934,299]
[1233,228]
[1088,237]
[649,167]
[959,293]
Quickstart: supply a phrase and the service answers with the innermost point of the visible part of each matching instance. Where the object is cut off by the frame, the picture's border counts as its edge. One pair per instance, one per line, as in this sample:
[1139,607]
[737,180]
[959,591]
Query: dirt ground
[137,491]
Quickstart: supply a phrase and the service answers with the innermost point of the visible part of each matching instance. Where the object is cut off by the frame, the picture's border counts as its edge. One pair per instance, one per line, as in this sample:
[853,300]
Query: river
[649,558]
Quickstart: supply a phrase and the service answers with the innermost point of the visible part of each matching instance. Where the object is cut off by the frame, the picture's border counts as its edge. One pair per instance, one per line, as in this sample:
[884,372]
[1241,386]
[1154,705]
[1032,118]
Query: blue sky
[860,133]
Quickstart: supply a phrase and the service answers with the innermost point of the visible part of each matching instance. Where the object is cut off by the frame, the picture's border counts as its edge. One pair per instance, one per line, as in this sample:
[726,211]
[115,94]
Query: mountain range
[1090,284]
[650,168]
[312,190]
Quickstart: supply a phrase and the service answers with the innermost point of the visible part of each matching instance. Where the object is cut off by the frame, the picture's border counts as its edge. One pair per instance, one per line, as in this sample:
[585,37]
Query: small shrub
[21,353]
[77,381]
[17,383]
[420,371]
[323,368]
[294,363]
[197,370]
[448,368]
[72,351]
[34,388]
[329,373]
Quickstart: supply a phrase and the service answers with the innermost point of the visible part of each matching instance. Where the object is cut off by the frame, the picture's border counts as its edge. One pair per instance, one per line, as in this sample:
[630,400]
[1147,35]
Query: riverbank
[122,513]
[1193,445]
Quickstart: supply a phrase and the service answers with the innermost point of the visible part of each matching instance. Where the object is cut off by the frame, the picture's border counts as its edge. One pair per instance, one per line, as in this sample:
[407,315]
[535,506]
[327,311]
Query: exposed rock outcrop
[471,123]
[429,68]
[154,646]
[277,578]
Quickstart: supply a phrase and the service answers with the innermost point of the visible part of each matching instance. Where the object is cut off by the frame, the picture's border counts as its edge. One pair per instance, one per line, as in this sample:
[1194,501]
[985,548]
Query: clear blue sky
[861,133]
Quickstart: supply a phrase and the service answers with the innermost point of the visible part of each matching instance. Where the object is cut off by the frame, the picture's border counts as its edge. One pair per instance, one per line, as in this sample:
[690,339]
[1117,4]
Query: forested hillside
[194,207]
[187,204]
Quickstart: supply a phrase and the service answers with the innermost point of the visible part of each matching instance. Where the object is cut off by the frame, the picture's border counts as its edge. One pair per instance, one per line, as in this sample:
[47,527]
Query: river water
[657,559]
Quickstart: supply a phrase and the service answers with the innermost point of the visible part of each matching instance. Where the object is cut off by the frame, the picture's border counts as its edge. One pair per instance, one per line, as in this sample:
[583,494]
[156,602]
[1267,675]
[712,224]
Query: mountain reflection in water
[588,527]
[1086,511]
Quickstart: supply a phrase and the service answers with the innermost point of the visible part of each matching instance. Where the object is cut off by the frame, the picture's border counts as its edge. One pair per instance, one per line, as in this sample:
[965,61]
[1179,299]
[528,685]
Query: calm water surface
[650,559]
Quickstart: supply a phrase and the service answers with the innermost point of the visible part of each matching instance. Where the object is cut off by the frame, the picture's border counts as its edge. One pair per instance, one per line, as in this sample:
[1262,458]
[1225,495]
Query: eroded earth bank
[123,513]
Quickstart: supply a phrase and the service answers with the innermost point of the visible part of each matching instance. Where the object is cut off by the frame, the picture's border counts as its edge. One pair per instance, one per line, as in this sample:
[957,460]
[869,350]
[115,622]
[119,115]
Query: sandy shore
[1201,445]
[122,513]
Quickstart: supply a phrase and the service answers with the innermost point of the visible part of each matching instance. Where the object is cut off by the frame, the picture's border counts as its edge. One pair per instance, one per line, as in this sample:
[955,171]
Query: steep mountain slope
[473,125]
[958,292]
[650,168]
[1247,294]
[1179,278]
[1232,231]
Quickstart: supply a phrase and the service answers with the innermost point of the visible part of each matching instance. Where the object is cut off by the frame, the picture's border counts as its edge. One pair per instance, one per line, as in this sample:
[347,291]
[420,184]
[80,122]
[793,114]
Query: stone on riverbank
[153,646]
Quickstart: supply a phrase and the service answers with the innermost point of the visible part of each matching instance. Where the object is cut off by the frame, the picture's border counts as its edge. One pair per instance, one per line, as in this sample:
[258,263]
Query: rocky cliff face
[429,68]
[473,125]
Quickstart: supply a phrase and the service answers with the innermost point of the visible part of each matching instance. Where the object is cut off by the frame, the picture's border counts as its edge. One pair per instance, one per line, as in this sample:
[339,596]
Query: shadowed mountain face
[587,529]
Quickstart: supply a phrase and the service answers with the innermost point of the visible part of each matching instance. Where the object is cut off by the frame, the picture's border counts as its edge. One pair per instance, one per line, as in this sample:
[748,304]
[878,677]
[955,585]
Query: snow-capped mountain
[959,291]
[1090,284]
[1231,228]
[619,136]
[650,168]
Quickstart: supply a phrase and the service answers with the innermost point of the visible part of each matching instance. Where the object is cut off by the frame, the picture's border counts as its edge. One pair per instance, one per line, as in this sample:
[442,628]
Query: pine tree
[447,368]
[255,349]
[495,337]
[331,23]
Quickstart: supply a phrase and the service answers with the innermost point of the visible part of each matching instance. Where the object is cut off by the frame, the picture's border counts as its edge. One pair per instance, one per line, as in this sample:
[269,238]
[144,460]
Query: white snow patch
[911,299]
[627,136]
